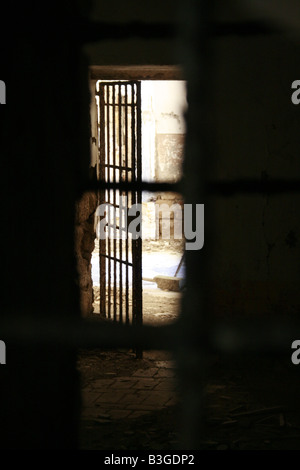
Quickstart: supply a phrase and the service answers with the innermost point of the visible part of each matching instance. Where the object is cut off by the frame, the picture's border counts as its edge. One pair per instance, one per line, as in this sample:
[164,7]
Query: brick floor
[146,372]
[146,390]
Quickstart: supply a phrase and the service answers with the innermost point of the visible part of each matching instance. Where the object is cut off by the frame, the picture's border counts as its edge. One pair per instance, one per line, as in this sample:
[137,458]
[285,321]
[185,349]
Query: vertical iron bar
[120,213]
[138,242]
[114,200]
[108,196]
[195,23]
[97,98]
[127,234]
[102,242]
[133,172]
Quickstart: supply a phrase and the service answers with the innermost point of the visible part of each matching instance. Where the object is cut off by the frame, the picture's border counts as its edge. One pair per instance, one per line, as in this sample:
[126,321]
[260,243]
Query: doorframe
[136,72]
[127,73]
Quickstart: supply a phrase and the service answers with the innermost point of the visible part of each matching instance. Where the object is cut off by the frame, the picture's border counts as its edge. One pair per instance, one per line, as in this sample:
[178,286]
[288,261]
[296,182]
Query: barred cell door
[120,245]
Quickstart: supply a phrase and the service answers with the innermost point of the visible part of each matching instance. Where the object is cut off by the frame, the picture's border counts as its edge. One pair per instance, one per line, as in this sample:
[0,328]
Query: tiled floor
[129,397]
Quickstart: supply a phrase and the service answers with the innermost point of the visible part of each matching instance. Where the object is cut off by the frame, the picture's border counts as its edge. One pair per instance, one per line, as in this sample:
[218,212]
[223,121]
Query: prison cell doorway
[140,137]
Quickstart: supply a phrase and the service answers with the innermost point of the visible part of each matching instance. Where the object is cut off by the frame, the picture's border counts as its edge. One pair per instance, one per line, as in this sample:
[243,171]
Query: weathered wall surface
[170,151]
[169,104]
[163,133]
[255,134]
[84,245]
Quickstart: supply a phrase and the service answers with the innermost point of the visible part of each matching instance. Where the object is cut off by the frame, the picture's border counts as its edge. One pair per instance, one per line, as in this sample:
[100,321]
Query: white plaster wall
[170,104]
[163,106]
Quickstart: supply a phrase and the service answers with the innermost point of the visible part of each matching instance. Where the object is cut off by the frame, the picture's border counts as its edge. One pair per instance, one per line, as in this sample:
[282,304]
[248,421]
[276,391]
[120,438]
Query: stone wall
[84,245]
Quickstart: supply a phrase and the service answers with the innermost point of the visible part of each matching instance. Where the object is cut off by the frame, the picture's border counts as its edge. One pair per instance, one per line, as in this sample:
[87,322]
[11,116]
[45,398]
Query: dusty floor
[250,403]
[156,429]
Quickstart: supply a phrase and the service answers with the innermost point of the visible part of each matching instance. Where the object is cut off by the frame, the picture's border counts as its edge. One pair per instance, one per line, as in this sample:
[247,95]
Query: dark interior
[219,375]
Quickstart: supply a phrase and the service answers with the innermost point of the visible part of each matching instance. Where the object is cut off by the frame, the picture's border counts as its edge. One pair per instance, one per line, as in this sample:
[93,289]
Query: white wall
[163,106]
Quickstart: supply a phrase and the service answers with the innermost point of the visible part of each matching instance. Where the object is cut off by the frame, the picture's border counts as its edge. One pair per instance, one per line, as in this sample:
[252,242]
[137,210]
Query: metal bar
[121,261]
[224,188]
[122,105]
[243,28]
[114,202]
[118,167]
[126,182]
[120,196]
[124,82]
[102,242]
[133,186]
[108,281]
[97,102]
[117,227]
[191,360]
[139,134]
[97,99]
[85,334]
[236,337]
[138,242]
[254,186]
[133,195]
